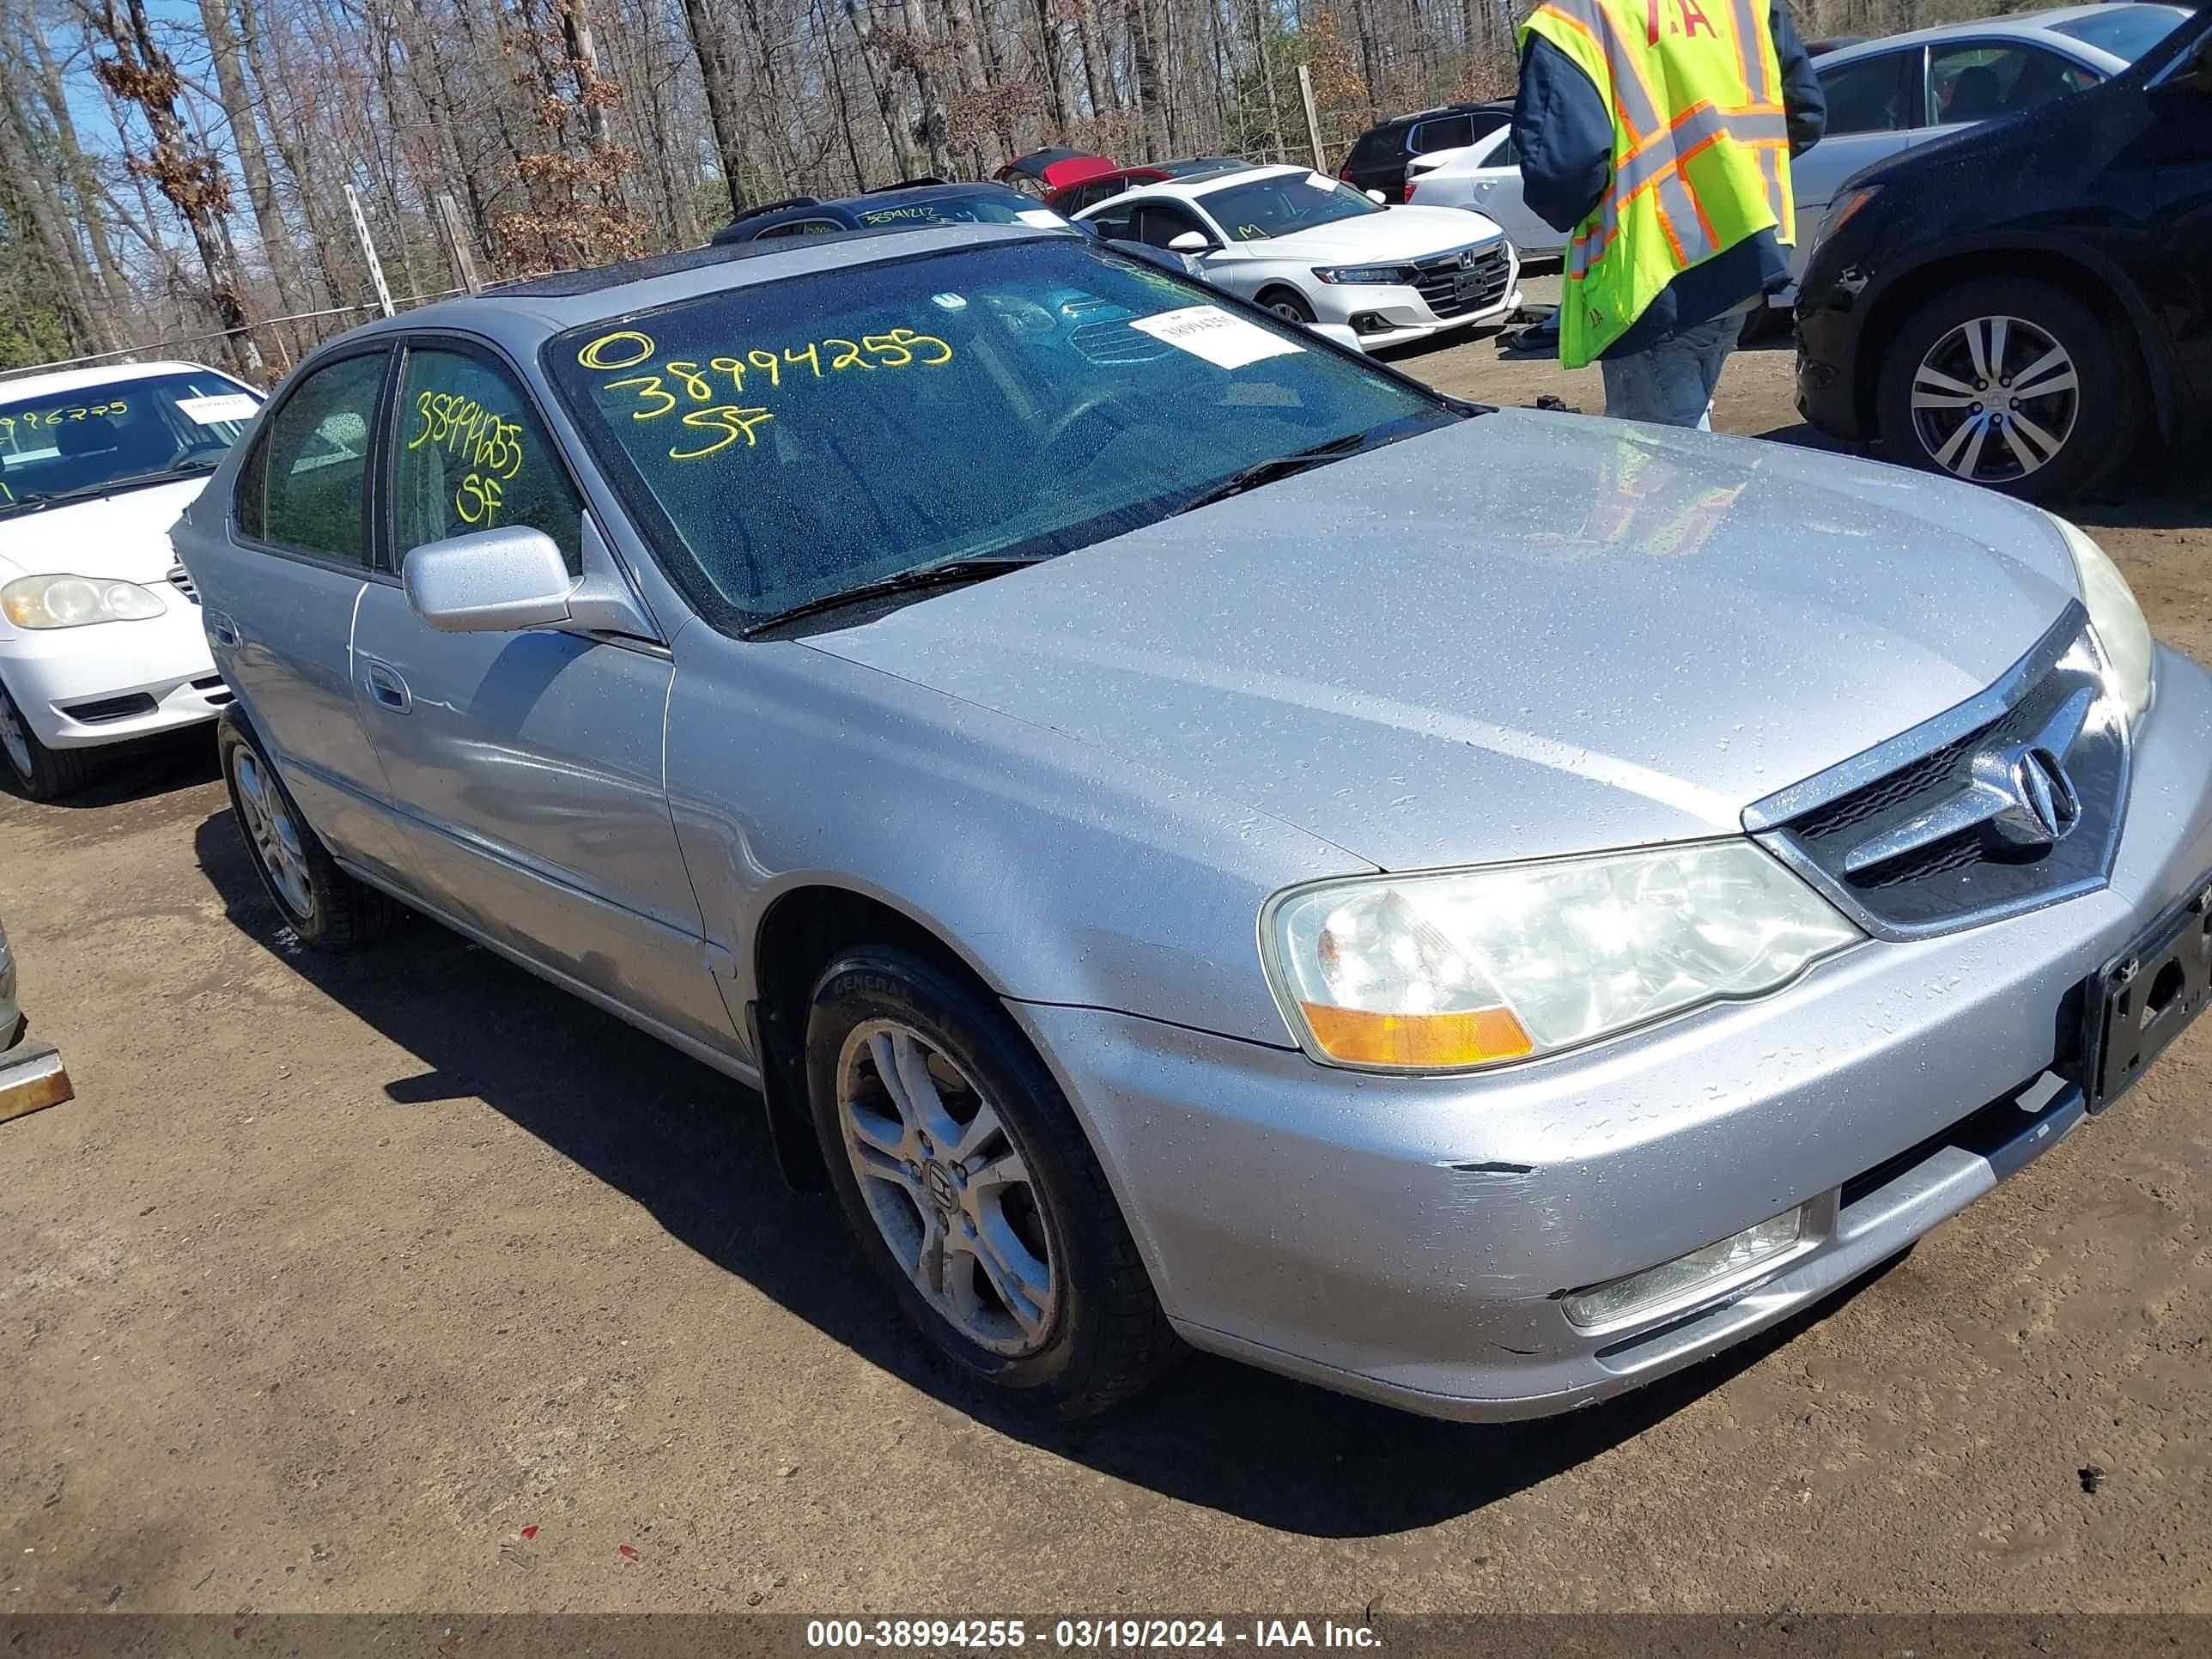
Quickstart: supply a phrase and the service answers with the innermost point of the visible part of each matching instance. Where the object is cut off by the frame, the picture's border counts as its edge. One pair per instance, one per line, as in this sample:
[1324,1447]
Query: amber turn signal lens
[1416,1041]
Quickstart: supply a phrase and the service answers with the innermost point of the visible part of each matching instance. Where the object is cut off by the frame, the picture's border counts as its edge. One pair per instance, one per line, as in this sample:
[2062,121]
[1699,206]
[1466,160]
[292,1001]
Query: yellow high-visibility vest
[1700,150]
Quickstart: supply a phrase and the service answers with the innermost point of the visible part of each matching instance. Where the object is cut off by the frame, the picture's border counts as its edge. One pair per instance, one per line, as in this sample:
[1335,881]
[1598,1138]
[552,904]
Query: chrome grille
[1453,289]
[2011,801]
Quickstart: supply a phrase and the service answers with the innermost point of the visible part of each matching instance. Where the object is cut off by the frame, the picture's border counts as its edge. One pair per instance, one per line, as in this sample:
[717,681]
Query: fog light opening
[1702,1273]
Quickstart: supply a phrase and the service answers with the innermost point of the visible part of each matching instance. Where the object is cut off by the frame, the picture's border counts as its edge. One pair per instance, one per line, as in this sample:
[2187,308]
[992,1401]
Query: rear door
[1494,189]
[280,576]
[524,767]
[1874,112]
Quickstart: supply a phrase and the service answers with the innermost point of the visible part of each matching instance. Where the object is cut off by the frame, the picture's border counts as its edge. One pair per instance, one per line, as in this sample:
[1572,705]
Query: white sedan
[100,638]
[1313,250]
[1485,177]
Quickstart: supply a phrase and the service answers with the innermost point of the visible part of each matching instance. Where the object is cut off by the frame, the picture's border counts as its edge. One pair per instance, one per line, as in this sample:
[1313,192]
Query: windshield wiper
[109,486]
[951,574]
[1281,466]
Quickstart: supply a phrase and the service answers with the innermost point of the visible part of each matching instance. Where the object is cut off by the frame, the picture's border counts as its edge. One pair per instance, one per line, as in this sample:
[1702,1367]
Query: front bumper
[1394,313]
[81,687]
[1409,1238]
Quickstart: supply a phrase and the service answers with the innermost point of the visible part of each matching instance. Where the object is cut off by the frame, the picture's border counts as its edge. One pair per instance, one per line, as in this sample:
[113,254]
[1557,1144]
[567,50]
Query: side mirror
[1378,198]
[1192,241]
[1342,333]
[489,581]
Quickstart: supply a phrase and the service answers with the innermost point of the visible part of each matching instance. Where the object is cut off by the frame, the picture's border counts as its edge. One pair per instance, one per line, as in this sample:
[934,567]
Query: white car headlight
[1373,276]
[1465,969]
[2116,617]
[76,601]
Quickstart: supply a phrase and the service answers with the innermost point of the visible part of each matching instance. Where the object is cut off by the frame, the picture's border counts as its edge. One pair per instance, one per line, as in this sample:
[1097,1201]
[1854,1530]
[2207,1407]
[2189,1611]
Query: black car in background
[2022,304]
[914,205]
[1378,161]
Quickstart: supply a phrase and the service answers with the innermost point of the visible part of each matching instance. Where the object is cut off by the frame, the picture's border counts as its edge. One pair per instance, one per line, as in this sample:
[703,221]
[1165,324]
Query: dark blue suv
[915,205]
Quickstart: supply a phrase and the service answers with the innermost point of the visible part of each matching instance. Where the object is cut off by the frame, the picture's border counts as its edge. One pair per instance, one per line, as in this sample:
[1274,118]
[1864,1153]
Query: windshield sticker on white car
[948,301]
[1208,332]
[1321,181]
[213,411]
[1042,218]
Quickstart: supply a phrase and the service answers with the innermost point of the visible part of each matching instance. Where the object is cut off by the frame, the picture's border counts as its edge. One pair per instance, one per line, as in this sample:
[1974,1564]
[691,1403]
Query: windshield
[997,207]
[2126,32]
[1283,204]
[783,443]
[82,441]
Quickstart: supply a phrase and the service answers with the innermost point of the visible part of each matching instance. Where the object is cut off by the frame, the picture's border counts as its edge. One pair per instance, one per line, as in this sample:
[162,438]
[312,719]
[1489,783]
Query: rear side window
[1382,144]
[306,486]
[469,453]
[1871,94]
[1451,132]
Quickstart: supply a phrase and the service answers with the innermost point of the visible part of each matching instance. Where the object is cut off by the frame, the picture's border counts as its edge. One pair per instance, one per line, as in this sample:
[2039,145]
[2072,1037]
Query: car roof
[520,315]
[1477,106]
[77,379]
[2019,25]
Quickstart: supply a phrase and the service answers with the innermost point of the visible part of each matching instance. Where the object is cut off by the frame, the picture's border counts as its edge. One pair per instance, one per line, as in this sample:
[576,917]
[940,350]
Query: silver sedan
[1200,839]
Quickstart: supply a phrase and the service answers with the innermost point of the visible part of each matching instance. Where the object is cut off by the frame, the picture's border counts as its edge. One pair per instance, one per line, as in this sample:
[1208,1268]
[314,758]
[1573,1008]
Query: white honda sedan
[1312,249]
[101,639]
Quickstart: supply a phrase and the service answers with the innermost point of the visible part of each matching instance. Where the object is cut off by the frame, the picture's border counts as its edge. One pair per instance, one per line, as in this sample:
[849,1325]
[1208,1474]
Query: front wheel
[960,1165]
[1288,304]
[2012,384]
[40,773]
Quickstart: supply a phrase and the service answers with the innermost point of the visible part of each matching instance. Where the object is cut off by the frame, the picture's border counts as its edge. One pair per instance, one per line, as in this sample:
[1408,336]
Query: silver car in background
[1191,839]
[1890,95]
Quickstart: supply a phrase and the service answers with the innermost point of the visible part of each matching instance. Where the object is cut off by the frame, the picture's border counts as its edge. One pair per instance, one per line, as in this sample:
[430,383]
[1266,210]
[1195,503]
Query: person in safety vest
[1658,134]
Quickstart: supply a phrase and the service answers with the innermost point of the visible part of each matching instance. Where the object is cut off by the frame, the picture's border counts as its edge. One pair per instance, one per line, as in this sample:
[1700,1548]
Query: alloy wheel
[1289,310]
[274,835]
[947,1188]
[1995,399]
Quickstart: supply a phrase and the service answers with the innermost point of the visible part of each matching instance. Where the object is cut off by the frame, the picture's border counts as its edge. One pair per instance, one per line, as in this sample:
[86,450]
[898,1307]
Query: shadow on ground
[690,1147]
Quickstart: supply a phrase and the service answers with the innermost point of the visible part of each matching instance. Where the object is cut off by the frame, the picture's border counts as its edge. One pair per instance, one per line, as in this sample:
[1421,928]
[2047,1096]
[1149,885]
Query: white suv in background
[1313,249]
[100,638]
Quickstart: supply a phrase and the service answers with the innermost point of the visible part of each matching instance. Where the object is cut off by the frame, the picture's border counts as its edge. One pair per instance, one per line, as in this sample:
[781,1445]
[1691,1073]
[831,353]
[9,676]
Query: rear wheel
[2011,384]
[958,1163]
[41,772]
[325,907]
[1288,304]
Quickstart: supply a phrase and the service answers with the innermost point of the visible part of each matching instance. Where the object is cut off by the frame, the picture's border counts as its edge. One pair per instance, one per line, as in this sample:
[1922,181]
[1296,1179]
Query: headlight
[1479,967]
[74,601]
[1364,273]
[2117,618]
[1844,207]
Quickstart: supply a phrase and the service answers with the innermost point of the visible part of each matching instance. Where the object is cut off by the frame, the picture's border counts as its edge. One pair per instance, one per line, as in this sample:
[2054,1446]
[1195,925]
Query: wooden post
[369,250]
[1313,118]
[457,243]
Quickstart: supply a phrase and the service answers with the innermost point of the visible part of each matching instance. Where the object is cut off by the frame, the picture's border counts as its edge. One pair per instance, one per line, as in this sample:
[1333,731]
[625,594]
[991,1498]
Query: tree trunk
[927,93]
[708,46]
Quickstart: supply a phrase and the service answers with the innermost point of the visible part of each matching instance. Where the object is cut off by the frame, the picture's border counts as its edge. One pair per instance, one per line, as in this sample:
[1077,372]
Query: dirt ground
[407,1282]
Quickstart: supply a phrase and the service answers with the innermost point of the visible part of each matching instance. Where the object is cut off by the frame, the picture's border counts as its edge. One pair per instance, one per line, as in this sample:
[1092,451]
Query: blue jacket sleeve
[1806,104]
[1564,136]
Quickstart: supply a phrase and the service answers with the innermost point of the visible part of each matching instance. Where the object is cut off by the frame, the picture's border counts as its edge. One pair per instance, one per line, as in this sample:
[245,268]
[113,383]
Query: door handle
[224,630]
[386,686]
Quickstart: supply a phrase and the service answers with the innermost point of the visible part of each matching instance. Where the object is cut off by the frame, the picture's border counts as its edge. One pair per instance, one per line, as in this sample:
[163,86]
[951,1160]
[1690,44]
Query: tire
[325,907]
[2094,414]
[1288,304]
[1090,1333]
[40,773]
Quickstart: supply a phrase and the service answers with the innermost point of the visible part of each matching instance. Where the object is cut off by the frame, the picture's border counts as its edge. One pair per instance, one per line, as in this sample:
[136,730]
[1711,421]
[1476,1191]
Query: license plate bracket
[2145,998]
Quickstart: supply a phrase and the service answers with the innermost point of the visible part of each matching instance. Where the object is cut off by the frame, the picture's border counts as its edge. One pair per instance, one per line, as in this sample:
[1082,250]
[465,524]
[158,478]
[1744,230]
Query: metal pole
[1313,121]
[464,263]
[368,248]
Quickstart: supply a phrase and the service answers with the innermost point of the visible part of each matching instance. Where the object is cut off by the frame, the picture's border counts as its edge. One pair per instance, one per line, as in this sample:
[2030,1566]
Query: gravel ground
[407,1282]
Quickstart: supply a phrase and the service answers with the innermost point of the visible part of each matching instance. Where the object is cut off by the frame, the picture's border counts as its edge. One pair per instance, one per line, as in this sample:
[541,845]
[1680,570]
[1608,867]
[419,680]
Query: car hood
[123,536]
[1526,633]
[1402,233]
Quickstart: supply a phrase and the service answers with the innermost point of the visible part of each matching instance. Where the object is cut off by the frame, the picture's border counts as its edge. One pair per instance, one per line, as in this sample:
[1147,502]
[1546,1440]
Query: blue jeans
[1672,383]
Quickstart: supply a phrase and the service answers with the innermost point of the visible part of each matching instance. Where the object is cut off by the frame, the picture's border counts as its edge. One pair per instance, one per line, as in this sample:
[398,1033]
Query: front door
[525,768]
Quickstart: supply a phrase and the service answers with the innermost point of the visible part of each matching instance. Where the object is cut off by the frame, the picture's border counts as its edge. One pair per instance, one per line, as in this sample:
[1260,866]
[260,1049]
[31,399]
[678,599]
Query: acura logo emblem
[2044,809]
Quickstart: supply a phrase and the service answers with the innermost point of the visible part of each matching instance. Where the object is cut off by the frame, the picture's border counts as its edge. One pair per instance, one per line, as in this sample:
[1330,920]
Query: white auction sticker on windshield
[1042,218]
[213,411]
[1321,181]
[1223,339]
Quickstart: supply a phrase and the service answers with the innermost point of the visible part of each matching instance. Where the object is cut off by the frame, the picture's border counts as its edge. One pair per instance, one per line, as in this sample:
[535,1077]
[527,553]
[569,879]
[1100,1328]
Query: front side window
[784,442]
[1970,83]
[469,453]
[1872,94]
[306,489]
[111,435]
[1160,223]
[1283,204]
